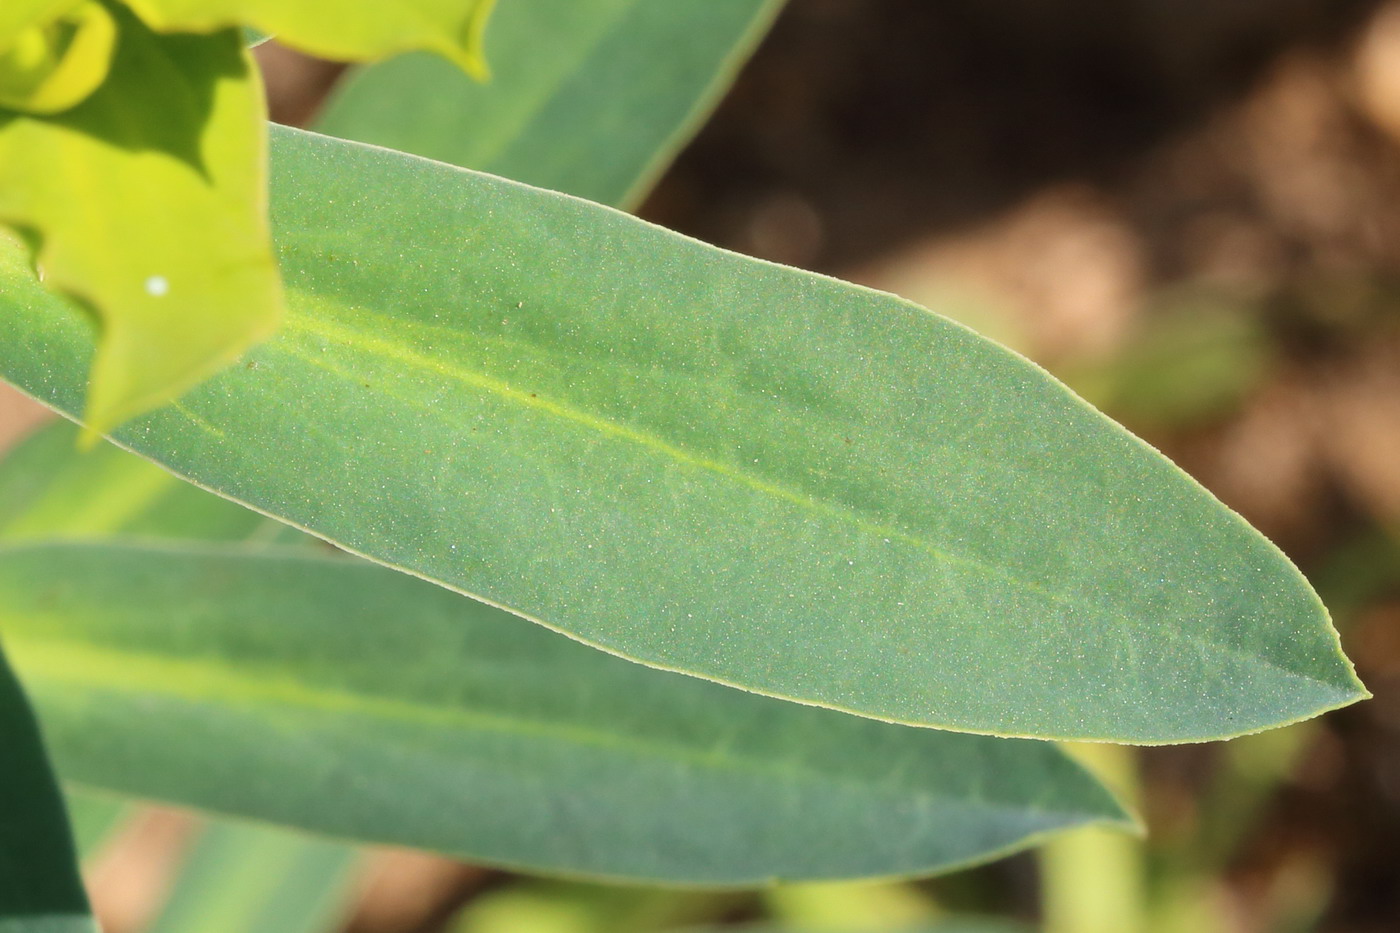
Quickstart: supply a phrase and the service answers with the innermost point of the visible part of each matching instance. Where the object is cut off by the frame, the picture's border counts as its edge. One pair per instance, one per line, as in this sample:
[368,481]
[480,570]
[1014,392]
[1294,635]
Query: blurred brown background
[1191,213]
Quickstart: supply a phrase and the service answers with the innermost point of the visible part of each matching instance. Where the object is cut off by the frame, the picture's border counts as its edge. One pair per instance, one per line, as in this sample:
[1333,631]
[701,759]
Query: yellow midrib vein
[320,327]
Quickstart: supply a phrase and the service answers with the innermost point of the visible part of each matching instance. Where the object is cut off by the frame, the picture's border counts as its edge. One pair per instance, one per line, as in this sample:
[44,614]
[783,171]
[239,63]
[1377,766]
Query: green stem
[1093,880]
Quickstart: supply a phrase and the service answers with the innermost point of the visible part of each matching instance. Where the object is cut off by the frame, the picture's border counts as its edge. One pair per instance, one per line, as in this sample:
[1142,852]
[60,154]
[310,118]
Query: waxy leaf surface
[346,698]
[589,97]
[720,466]
[662,65]
[46,490]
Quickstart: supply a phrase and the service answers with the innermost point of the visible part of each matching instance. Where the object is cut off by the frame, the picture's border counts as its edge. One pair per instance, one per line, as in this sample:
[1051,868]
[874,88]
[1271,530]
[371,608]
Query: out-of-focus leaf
[851,905]
[951,925]
[720,466]
[589,97]
[346,698]
[240,877]
[40,891]
[50,490]
[152,216]
[343,31]
[94,817]
[252,879]
[1192,360]
[549,906]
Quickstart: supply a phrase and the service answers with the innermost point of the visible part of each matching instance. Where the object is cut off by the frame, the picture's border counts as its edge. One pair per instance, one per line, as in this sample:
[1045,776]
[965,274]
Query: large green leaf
[590,97]
[253,879]
[720,466]
[40,891]
[350,699]
[46,490]
[154,216]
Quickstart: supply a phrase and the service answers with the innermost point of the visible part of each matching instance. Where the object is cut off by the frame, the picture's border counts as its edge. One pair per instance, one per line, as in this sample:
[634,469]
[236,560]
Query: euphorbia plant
[882,528]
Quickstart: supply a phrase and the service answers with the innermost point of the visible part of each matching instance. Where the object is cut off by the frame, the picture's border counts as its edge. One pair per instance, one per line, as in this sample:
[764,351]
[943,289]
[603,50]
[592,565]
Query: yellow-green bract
[133,160]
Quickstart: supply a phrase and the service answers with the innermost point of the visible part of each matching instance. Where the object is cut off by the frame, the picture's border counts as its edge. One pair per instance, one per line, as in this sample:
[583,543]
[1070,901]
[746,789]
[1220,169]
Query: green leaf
[95,819]
[40,891]
[720,466]
[331,29]
[955,924]
[554,906]
[343,697]
[590,97]
[50,490]
[153,216]
[250,879]
[630,133]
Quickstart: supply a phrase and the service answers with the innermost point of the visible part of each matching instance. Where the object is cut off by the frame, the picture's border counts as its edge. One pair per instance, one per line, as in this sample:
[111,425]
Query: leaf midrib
[363,342]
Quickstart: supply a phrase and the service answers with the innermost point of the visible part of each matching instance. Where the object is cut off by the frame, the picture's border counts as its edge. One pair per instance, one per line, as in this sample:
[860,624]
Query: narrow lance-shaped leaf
[40,891]
[254,879]
[346,698]
[238,878]
[45,489]
[588,97]
[720,466]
